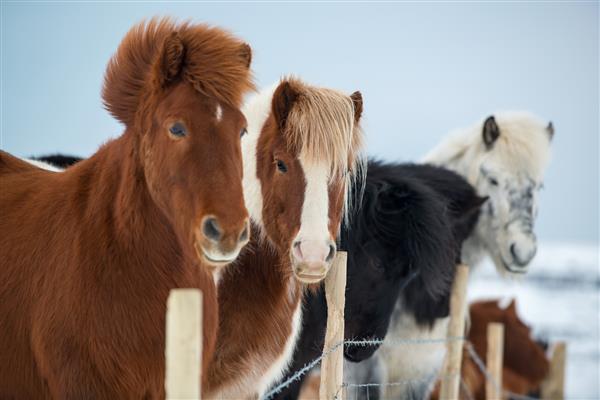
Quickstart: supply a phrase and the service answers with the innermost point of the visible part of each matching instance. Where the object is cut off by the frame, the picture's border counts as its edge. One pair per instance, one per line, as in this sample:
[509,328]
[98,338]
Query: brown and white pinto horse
[301,155]
[89,255]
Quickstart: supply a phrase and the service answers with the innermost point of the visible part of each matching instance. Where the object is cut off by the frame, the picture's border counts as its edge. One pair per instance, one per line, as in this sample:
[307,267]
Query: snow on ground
[560,299]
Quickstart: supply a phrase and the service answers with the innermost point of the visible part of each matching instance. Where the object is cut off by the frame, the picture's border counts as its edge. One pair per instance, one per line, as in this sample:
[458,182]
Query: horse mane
[523,145]
[215,63]
[321,126]
[422,214]
[409,220]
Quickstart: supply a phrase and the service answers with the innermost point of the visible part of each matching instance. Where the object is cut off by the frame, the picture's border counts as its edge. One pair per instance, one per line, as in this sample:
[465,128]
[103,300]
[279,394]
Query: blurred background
[423,69]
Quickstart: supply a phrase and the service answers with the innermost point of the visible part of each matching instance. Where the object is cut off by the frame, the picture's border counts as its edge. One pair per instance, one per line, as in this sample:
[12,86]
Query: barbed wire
[367,386]
[371,342]
[298,374]
[366,342]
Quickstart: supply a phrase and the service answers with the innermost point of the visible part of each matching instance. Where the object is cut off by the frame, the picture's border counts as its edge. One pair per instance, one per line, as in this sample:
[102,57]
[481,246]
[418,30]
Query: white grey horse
[504,157]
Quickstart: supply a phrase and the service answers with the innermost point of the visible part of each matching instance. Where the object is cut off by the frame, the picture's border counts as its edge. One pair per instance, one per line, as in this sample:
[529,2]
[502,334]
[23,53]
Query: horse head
[403,245]
[302,155]
[178,88]
[513,154]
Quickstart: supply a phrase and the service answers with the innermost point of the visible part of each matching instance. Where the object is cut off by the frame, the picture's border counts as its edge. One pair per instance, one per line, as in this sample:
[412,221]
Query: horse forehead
[520,183]
[185,99]
[314,169]
[515,177]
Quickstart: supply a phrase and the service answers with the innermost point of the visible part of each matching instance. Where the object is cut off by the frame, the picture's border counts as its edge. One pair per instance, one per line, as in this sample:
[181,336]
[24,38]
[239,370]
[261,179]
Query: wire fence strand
[373,342]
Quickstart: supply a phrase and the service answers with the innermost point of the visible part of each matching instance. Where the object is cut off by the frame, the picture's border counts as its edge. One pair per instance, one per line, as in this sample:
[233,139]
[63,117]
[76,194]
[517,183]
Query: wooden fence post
[495,357]
[183,350]
[456,329]
[332,365]
[553,387]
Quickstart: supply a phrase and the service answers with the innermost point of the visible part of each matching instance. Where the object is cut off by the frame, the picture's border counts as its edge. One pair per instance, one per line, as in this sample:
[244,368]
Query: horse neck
[466,163]
[114,200]
[278,269]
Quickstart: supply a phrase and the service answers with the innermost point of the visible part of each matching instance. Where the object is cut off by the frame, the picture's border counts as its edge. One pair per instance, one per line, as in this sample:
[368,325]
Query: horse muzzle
[217,246]
[311,259]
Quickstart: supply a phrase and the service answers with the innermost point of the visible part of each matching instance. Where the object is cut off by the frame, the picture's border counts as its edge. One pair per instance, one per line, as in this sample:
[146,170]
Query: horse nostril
[211,229]
[297,250]
[331,253]
[520,258]
[513,251]
[245,234]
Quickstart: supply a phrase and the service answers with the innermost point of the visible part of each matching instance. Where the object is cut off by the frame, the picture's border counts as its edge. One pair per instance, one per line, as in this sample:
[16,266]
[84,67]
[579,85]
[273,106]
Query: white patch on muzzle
[312,243]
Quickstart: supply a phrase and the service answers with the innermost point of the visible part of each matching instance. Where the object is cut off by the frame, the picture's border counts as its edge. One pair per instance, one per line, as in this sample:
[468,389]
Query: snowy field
[560,299]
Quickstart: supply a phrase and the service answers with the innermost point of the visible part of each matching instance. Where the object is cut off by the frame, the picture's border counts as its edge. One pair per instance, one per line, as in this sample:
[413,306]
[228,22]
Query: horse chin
[309,278]
[216,262]
[509,269]
[361,355]
[309,274]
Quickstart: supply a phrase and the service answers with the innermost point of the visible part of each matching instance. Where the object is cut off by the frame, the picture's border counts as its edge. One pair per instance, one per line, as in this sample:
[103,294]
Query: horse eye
[243,132]
[493,181]
[281,166]
[177,130]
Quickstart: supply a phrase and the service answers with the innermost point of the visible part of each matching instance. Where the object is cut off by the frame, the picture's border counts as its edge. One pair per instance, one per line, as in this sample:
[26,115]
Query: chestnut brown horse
[89,255]
[301,156]
[525,364]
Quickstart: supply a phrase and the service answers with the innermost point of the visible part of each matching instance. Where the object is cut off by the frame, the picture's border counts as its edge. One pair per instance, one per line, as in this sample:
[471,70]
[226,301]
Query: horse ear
[357,100]
[246,54]
[550,130]
[491,132]
[283,100]
[476,203]
[170,60]
[472,207]
[512,307]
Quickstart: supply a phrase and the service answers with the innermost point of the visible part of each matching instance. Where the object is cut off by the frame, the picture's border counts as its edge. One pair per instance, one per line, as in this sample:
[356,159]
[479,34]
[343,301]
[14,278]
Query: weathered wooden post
[553,387]
[183,350]
[332,366]
[456,329]
[494,360]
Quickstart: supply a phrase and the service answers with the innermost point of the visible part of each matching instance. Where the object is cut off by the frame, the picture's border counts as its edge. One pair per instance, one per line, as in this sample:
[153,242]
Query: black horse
[403,243]
[58,160]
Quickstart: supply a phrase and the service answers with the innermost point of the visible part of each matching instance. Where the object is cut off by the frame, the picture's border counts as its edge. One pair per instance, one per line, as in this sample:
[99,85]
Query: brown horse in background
[89,255]
[525,364]
[301,156]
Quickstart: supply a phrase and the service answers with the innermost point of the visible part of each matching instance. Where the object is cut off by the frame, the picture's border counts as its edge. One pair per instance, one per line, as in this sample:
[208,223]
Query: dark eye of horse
[281,166]
[493,181]
[243,132]
[177,130]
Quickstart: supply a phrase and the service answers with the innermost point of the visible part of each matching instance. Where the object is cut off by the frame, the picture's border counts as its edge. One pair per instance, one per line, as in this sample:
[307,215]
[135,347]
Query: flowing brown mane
[215,62]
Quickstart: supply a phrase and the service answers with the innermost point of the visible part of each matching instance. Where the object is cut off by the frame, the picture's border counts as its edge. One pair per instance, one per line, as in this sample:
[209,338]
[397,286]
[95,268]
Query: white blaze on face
[313,237]
[219,113]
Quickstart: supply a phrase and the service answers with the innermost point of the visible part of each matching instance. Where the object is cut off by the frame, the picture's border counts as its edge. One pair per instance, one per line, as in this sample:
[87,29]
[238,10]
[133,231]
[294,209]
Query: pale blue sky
[423,69]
